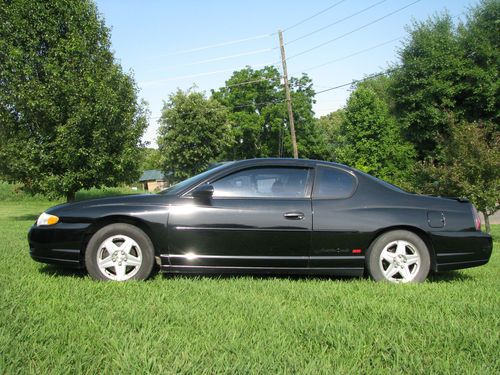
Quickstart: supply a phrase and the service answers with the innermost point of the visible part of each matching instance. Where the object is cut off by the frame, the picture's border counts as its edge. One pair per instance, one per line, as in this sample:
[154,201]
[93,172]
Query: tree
[428,81]
[150,158]
[329,128]
[312,143]
[370,138]
[468,166]
[448,70]
[69,116]
[255,112]
[479,39]
[194,131]
[256,102]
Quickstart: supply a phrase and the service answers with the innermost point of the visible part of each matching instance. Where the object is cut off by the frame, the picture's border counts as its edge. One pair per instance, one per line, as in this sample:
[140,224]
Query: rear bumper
[457,250]
[58,244]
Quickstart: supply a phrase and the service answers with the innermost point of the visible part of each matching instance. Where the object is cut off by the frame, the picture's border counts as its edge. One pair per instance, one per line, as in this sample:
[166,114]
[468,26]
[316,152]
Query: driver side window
[264,182]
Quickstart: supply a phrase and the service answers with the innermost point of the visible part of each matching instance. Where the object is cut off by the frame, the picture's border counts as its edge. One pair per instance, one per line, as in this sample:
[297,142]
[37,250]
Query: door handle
[294,215]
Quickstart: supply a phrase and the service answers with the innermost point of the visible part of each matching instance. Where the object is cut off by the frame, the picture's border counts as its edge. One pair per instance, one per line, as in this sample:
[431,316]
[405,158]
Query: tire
[119,252]
[399,256]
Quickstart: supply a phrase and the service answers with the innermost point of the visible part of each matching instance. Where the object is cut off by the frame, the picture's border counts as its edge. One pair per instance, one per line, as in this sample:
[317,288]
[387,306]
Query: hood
[121,200]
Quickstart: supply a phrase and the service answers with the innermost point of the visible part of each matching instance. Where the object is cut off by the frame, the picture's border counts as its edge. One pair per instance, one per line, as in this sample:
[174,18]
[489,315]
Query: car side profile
[279,216]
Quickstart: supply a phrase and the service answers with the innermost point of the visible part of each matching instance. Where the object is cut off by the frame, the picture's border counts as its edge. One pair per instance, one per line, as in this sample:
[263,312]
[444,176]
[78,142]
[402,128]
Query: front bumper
[457,250]
[61,243]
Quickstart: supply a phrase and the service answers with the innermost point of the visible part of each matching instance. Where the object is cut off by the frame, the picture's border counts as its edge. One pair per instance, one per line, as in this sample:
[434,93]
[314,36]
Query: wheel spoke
[106,262]
[405,272]
[120,271]
[386,255]
[110,246]
[412,259]
[401,248]
[390,271]
[133,261]
[127,245]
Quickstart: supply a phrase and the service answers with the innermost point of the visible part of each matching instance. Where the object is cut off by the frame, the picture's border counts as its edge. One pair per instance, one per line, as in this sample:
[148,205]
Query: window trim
[331,197]
[308,190]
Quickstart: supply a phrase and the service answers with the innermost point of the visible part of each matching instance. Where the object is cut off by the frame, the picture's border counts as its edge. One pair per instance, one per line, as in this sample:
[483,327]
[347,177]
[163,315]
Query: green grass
[55,321]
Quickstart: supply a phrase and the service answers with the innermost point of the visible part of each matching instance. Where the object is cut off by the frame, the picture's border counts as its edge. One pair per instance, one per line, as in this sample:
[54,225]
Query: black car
[262,216]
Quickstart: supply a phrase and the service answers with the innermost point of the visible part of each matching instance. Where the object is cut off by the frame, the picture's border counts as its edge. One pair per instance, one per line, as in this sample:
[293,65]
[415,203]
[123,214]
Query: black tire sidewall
[373,254]
[131,231]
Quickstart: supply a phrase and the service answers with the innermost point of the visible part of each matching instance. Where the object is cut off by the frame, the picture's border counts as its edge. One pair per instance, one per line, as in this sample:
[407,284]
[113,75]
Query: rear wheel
[119,252]
[399,256]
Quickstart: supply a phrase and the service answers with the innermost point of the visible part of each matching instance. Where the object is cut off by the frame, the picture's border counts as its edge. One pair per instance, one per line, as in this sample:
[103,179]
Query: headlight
[47,219]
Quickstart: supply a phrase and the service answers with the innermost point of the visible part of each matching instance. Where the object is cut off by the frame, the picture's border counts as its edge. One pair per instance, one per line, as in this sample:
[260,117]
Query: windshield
[174,189]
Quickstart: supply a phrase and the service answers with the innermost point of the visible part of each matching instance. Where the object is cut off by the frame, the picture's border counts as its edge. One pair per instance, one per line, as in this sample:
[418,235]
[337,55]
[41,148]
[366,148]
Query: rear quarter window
[333,183]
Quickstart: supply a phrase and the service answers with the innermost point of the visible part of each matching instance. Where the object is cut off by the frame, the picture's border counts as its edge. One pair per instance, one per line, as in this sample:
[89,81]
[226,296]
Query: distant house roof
[152,175]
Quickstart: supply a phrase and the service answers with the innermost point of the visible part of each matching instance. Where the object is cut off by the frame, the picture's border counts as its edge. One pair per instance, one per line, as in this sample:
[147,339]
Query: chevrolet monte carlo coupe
[280,216]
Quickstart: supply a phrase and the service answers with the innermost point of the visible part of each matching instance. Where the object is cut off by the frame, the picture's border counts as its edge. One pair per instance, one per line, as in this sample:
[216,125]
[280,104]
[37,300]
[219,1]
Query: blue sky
[162,42]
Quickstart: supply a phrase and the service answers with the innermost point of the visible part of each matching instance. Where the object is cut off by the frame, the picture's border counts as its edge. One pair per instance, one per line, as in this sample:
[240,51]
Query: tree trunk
[486,221]
[70,196]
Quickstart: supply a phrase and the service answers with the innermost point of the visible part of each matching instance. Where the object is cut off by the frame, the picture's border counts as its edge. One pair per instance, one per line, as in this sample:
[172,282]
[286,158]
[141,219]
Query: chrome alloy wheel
[400,261]
[119,258]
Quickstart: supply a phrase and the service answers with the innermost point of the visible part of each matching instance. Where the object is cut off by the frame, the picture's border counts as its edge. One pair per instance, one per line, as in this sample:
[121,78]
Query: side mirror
[203,192]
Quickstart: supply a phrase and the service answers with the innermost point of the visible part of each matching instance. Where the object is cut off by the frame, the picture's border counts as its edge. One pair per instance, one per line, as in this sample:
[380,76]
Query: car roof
[284,162]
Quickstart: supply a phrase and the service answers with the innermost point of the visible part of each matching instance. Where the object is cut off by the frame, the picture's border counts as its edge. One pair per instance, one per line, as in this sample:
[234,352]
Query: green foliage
[15,193]
[382,87]
[446,71]
[194,131]
[57,321]
[104,192]
[328,127]
[468,166]
[479,39]
[370,138]
[446,98]
[69,116]
[259,115]
[428,82]
[150,159]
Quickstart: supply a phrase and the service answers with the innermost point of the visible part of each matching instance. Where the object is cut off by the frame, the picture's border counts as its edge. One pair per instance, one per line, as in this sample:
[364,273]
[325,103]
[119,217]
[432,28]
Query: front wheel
[399,256]
[119,252]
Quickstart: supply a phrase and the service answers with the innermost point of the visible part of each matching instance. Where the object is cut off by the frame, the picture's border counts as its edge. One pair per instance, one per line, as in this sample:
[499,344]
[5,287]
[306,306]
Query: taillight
[477,218]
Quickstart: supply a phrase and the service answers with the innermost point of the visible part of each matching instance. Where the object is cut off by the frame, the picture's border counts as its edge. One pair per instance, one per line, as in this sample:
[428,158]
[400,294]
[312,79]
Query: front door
[257,218]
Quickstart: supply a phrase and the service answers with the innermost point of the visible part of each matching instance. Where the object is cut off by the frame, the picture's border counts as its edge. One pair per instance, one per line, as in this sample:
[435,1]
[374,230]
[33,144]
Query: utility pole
[288,97]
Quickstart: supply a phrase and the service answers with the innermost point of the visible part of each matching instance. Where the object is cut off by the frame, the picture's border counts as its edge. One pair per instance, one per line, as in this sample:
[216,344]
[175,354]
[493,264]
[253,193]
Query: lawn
[56,321]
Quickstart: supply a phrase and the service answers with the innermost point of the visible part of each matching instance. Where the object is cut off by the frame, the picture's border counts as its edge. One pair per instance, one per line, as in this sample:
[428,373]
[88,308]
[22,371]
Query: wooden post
[288,97]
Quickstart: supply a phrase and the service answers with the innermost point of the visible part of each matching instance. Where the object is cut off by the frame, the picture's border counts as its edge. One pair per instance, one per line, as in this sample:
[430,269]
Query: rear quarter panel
[354,223]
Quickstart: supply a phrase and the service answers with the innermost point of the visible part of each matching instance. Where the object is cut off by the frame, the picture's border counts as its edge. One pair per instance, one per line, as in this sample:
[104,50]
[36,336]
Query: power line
[318,92]
[259,104]
[357,81]
[385,72]
[336,22]
[314,15]
[227,57]
[168,79]
[270,49]
[351,55]
[320,65]
[223,44]
[251,82]
[354,30]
